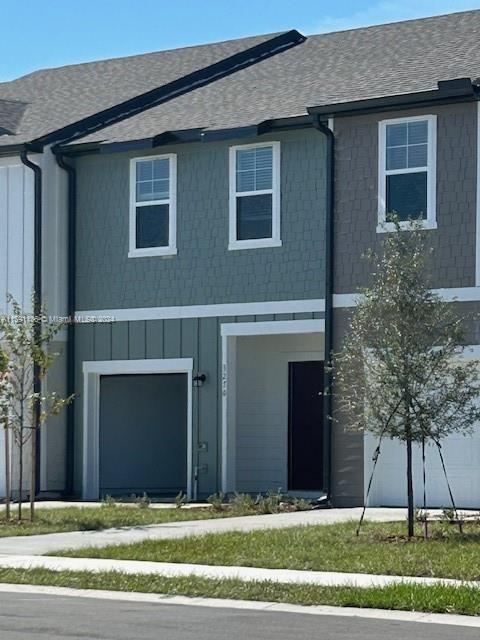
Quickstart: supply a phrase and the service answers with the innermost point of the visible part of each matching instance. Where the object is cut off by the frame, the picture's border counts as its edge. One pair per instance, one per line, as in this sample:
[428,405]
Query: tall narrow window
[406,172]
[255,196]
[152,206]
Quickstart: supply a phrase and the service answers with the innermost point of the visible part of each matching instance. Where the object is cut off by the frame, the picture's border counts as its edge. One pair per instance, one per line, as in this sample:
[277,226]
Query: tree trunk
[20,475]
[411,517]
[33,475]
[8,488]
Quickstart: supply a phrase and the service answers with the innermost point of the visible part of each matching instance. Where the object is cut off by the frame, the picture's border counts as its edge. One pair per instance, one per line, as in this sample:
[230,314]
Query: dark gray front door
[143,434]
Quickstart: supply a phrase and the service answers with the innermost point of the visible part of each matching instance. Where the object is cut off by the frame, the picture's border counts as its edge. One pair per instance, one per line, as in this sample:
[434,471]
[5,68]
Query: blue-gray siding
[204,271]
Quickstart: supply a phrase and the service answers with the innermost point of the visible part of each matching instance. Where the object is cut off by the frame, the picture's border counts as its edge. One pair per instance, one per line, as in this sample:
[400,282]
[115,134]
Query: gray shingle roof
[11,113]
[396,58]
[58,97]
[337,67]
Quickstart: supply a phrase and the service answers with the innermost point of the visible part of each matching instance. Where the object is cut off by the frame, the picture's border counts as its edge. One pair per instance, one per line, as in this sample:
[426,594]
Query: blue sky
[48,33]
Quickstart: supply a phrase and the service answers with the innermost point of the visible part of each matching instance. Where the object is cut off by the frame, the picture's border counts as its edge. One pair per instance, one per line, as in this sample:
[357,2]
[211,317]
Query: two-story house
[204,216]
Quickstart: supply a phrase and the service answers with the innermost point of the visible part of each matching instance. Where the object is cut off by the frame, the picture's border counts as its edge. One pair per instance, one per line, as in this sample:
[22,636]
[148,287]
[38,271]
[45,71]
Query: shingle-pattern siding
[453,262]
[204,271]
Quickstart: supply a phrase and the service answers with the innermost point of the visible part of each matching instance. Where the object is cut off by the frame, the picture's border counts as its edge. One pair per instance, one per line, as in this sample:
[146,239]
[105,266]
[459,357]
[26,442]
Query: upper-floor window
[153,223]
[255,196]
[407,172]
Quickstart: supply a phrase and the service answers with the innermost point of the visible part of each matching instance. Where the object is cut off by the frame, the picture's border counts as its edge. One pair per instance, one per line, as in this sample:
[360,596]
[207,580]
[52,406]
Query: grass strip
[105,517]
[380,549]
[435,599]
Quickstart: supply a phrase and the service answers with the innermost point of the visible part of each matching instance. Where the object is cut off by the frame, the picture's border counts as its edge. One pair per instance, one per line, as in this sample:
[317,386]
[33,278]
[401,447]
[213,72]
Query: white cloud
[385,11]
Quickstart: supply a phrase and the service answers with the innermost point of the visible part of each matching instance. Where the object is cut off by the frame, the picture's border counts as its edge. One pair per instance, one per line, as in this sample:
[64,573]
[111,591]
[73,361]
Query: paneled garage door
[462,460]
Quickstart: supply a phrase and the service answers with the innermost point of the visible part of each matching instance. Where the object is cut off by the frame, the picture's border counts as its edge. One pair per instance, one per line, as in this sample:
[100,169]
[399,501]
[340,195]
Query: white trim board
[276,327]
[340,300]
[92,370]
[204,311]
[460,294]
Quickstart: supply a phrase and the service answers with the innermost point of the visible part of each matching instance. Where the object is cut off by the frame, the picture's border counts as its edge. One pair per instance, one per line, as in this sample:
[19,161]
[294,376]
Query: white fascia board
[202,311]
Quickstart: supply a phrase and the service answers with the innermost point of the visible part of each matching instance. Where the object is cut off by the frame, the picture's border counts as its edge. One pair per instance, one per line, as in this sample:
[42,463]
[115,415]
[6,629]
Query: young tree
[4,424]
[399,374]
[26,343]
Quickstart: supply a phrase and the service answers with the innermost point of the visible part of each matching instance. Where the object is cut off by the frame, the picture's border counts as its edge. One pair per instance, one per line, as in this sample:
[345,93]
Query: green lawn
[379,549]
[104,517]
[437,599]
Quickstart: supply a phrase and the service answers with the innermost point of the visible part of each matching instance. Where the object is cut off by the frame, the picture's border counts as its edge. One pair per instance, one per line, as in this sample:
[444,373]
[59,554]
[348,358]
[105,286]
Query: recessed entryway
[137,427]
[261,406]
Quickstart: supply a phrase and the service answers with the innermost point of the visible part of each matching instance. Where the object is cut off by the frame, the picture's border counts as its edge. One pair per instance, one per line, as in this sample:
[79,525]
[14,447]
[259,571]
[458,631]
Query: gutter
[37,290]
[448,92]
[71,304]
[329,273]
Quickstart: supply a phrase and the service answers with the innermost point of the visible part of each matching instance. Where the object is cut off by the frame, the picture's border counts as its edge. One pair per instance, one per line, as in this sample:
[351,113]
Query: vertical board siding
[16,234]
[136,340]
[208,402]
[154,338]
[172,338]
[196,338]
[119,341]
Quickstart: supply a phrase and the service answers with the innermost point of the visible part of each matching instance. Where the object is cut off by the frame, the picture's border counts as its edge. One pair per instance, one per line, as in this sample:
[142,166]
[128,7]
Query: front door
[305,426]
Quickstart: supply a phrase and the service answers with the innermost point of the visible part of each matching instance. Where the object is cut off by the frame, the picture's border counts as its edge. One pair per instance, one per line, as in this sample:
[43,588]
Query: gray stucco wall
[453,263]
[204,271]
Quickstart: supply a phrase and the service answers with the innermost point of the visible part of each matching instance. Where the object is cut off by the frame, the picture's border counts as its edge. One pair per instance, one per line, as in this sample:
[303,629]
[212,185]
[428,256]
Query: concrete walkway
[247,574]
[51,542]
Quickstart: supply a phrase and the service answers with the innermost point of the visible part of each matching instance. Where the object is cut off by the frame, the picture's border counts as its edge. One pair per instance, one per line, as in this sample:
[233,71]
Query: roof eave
[448,92]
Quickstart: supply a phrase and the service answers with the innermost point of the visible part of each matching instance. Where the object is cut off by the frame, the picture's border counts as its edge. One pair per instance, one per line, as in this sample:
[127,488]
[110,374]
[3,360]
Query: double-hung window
[255,196]
[406,172]
[153,223]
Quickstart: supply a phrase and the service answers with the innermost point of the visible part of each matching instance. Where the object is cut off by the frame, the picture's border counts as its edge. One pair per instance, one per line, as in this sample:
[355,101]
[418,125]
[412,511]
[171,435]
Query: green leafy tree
[26,343]
[399,374]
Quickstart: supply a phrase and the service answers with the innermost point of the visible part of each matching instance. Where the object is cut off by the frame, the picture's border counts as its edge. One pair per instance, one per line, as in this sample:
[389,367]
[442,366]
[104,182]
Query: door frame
[229,333]
[92,370]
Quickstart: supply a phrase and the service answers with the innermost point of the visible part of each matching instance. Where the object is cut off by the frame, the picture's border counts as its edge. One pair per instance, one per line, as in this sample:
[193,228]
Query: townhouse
[203,213]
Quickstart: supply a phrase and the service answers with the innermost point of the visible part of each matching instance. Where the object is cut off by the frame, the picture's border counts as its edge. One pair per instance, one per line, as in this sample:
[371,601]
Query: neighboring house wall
[204,271]
[16,232]
[17,277]
[453,263]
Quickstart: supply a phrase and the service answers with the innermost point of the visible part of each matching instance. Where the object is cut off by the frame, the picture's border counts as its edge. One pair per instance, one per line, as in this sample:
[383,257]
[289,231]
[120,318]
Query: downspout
[37,290]
[71,304]
[327,372]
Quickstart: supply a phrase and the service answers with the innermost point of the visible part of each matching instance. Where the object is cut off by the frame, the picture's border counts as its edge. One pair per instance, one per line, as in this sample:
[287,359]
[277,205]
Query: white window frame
[258,243]
[171,249]
[430,222]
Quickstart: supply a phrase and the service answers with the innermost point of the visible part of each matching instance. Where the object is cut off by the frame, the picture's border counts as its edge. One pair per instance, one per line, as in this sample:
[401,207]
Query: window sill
[153,252]
[389,227]
[262,243]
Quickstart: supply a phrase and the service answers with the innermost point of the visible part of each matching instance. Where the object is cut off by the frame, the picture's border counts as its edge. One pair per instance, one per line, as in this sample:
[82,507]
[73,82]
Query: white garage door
[462,461]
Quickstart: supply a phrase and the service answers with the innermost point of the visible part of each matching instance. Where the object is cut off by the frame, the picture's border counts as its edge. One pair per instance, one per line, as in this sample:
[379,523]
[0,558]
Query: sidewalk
[247,574]
[51,542]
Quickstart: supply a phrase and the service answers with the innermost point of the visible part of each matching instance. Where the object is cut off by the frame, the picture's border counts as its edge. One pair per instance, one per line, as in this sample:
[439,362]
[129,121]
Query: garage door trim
[92,370]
